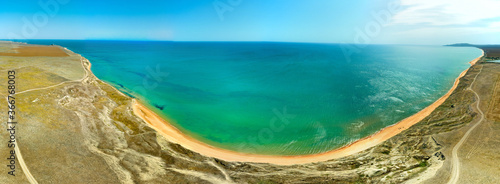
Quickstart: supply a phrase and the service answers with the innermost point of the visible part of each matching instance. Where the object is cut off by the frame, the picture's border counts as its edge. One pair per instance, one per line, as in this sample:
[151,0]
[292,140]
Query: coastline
[172,134]
[94,122]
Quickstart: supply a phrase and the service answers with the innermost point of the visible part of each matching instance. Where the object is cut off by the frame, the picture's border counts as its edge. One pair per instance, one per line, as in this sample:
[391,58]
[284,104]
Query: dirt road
[455,161]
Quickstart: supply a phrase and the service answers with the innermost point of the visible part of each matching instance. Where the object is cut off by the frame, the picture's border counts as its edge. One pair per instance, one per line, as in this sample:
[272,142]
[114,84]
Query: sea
[276,98]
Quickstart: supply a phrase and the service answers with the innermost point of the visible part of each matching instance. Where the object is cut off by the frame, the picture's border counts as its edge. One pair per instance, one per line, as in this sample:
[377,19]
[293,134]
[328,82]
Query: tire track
[455,161]
[19,157]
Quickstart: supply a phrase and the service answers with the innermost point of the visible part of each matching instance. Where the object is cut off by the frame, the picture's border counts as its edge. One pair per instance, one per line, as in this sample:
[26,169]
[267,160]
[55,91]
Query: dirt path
[79,80]
[455,161]
[26,171]
[20,159]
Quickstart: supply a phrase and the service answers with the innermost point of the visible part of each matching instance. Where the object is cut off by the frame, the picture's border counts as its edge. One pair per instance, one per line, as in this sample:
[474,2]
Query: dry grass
[33,51]
[494,108]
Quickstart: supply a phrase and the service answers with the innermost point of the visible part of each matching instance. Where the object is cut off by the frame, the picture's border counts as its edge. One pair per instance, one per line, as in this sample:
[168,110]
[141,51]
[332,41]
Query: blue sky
[331,21]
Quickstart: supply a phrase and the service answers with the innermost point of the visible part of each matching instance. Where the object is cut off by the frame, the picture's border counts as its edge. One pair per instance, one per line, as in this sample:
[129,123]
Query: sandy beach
[174,135]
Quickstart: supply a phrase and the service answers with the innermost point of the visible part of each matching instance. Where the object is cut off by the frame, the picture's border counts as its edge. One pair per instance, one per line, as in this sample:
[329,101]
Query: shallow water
[276,98]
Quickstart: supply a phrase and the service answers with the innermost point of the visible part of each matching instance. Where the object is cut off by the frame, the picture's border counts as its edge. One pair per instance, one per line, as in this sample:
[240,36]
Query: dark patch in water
[129,95]
[137,73]
[123,89]
[159,106]
[116,83]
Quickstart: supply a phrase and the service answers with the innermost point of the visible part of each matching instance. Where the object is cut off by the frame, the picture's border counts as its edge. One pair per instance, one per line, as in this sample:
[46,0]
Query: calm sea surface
[276,98]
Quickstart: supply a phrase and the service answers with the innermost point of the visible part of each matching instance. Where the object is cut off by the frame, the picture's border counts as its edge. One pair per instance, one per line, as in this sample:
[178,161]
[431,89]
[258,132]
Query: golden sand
[174,135]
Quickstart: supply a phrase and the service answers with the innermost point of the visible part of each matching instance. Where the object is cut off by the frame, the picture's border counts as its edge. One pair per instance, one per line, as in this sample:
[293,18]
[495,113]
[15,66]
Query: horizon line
[240,41]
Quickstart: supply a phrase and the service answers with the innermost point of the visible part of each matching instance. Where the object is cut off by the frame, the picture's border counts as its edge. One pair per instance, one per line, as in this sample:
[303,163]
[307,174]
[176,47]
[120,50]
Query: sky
[422,22]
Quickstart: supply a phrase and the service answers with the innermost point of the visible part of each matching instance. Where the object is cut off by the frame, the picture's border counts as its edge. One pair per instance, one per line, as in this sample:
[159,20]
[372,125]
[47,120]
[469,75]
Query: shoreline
[173,134]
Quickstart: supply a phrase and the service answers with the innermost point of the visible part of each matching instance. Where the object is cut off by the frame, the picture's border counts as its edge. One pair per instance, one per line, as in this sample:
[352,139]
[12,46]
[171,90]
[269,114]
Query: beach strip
[173,134]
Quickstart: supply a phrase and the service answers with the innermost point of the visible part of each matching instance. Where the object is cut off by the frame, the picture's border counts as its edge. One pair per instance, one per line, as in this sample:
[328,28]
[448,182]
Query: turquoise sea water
[276,98]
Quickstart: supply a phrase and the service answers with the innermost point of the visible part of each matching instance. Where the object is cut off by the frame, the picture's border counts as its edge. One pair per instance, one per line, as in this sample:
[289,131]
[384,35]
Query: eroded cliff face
[74,128]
